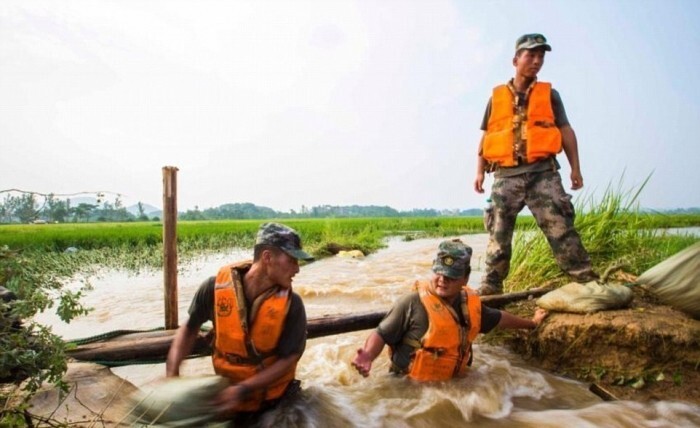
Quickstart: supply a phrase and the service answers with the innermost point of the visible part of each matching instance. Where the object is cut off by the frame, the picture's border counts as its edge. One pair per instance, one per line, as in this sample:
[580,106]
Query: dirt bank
[645,352]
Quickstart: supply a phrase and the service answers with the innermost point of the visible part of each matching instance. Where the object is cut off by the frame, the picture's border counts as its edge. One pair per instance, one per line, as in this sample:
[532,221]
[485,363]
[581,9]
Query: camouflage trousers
[544,195]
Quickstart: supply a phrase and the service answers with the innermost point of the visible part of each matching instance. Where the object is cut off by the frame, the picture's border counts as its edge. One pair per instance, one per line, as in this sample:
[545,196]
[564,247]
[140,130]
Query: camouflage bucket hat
[282,237]
[531,41]
[452,259]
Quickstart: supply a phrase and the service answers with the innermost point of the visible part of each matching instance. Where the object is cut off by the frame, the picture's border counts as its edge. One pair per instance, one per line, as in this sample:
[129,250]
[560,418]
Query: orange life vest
[446,347]
[538,130]
[242,350]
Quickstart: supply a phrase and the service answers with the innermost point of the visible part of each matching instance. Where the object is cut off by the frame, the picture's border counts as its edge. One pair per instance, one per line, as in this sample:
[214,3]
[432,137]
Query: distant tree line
[31,207]
[251,211]
[681,211]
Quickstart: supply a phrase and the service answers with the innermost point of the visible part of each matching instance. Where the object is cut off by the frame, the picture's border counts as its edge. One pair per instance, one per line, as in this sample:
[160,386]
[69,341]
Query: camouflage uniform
[537,185]
[551,206]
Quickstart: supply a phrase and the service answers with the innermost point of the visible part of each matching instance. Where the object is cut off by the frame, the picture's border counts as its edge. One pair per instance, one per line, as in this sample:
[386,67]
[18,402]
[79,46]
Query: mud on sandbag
[676,281]
[586,298]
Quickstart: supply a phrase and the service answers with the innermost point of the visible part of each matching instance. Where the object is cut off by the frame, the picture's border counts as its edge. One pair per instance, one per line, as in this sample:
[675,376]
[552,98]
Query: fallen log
[154,345]
[500,300]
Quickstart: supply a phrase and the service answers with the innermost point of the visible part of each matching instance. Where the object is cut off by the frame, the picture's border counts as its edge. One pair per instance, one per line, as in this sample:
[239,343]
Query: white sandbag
[351,254]
[586,298]
[178,402]
[676,280]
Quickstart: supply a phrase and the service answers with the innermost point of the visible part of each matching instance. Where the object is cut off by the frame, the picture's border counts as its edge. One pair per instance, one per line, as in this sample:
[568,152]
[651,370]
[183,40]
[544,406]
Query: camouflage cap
[282,237]
[531,41]
[452,259]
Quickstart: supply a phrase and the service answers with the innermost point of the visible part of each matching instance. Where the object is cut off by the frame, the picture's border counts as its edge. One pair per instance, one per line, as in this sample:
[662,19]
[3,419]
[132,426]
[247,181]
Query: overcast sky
[291,103]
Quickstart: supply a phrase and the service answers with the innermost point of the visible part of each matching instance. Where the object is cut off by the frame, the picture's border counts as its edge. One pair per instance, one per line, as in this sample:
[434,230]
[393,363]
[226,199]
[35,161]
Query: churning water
[500,391]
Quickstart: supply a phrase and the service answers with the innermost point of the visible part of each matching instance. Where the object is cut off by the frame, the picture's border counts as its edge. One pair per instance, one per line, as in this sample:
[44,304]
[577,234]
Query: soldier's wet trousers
[544,195]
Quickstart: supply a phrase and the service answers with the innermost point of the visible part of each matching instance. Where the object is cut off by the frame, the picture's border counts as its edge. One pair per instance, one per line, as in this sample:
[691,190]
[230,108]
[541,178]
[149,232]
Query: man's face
[529,62]
[282,268]
[448,288]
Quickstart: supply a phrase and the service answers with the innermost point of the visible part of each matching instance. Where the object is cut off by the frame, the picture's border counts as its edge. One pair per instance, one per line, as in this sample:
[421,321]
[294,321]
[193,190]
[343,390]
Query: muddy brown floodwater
[502,389]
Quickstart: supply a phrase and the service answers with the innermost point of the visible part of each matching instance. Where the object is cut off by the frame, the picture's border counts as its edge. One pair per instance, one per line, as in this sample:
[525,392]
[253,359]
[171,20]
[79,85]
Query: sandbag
[586,298]
[352,254]
[178,402]
[676,281]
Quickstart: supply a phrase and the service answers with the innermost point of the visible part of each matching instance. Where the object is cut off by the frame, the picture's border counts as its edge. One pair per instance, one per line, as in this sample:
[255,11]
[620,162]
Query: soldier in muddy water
[525,126]
[259,326]
[431,330]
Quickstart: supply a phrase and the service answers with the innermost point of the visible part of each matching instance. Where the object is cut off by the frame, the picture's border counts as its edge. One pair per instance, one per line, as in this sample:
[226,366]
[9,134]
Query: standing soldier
[525,126]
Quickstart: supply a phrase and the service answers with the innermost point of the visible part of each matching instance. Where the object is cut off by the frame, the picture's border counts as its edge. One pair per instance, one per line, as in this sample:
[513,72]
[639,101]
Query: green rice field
[359,233]
[610,233]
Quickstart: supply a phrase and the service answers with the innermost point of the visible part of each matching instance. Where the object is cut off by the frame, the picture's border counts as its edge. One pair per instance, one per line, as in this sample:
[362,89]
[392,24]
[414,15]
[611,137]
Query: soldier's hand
[230,397]
[362,362]
[479,183]
[576,180]
[540,315]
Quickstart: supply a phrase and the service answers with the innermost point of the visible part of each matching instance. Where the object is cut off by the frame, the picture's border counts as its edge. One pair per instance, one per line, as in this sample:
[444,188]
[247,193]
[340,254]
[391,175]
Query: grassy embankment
[614,231]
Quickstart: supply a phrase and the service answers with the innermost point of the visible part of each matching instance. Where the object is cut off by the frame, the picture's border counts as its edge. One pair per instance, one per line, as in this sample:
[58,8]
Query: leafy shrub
[30,352]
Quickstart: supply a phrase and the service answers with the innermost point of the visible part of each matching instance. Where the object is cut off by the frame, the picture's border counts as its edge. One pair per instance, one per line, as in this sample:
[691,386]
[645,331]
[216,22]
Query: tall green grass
[227,233]
[135,246]
[610,230]
[613,230]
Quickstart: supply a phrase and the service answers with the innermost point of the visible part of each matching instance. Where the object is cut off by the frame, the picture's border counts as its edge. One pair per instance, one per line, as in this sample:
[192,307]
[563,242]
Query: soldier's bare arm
[570,145]
[480,168]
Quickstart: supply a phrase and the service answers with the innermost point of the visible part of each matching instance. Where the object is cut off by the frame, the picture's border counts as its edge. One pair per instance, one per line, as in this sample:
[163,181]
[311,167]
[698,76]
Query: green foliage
[29,351]
[215,235]
[33,353]
[678,378]
[33,207]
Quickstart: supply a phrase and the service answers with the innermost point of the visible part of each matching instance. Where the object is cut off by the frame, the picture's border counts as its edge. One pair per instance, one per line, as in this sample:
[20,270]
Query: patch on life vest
[272,313]
[224,307]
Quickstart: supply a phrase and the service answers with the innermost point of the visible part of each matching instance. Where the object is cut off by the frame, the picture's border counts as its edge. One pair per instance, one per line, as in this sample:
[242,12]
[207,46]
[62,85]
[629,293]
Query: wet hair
[259,248]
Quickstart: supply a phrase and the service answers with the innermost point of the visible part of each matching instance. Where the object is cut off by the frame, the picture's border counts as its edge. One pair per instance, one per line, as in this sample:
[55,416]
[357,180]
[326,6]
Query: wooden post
[170,245]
